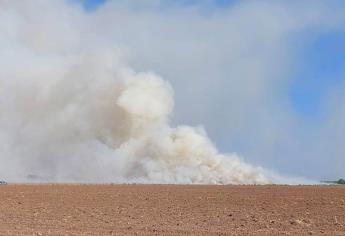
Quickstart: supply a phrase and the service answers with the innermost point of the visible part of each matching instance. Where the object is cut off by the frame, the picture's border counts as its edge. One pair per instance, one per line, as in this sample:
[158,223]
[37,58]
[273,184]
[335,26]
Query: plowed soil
[171,210]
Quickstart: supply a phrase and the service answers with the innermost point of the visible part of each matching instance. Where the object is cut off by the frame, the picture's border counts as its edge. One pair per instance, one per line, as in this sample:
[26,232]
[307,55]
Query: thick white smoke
[72,111]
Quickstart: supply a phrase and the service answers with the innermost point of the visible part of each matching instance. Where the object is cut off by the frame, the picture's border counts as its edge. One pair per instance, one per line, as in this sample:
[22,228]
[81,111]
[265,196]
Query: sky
[323,60]
[322,67]
[265,78]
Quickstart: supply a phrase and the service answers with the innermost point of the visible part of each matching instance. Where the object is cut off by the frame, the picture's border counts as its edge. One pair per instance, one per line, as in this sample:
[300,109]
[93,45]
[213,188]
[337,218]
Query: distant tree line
[340,181]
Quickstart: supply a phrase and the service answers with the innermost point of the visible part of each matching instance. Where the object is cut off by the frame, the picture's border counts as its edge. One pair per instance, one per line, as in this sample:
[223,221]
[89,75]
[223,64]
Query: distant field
[171,210]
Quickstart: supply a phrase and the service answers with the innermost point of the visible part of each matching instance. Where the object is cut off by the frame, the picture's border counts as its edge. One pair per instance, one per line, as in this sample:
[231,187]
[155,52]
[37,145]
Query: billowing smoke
[71,110]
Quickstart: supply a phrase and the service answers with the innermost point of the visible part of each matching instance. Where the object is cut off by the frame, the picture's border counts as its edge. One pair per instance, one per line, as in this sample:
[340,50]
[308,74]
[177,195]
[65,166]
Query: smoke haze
[99,94]
[73,110]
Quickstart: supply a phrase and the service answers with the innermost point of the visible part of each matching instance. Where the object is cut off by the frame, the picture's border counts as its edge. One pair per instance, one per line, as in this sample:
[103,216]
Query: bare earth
[171,210]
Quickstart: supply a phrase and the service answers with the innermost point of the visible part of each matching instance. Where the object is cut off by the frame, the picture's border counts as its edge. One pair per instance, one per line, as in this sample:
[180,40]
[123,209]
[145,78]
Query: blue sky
[92,4]
[322,67]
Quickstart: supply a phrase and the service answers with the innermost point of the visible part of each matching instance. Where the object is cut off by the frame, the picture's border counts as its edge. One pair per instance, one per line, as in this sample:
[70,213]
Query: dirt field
[171,210]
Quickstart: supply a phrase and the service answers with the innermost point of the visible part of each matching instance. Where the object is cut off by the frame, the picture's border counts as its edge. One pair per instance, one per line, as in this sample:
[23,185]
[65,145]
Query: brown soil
[171,210]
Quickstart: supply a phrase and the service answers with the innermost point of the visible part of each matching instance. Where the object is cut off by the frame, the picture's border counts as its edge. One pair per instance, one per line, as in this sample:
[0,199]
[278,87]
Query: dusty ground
[171,210]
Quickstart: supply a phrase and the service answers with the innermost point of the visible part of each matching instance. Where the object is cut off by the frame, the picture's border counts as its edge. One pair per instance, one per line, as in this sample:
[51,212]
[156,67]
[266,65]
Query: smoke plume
[72,110]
